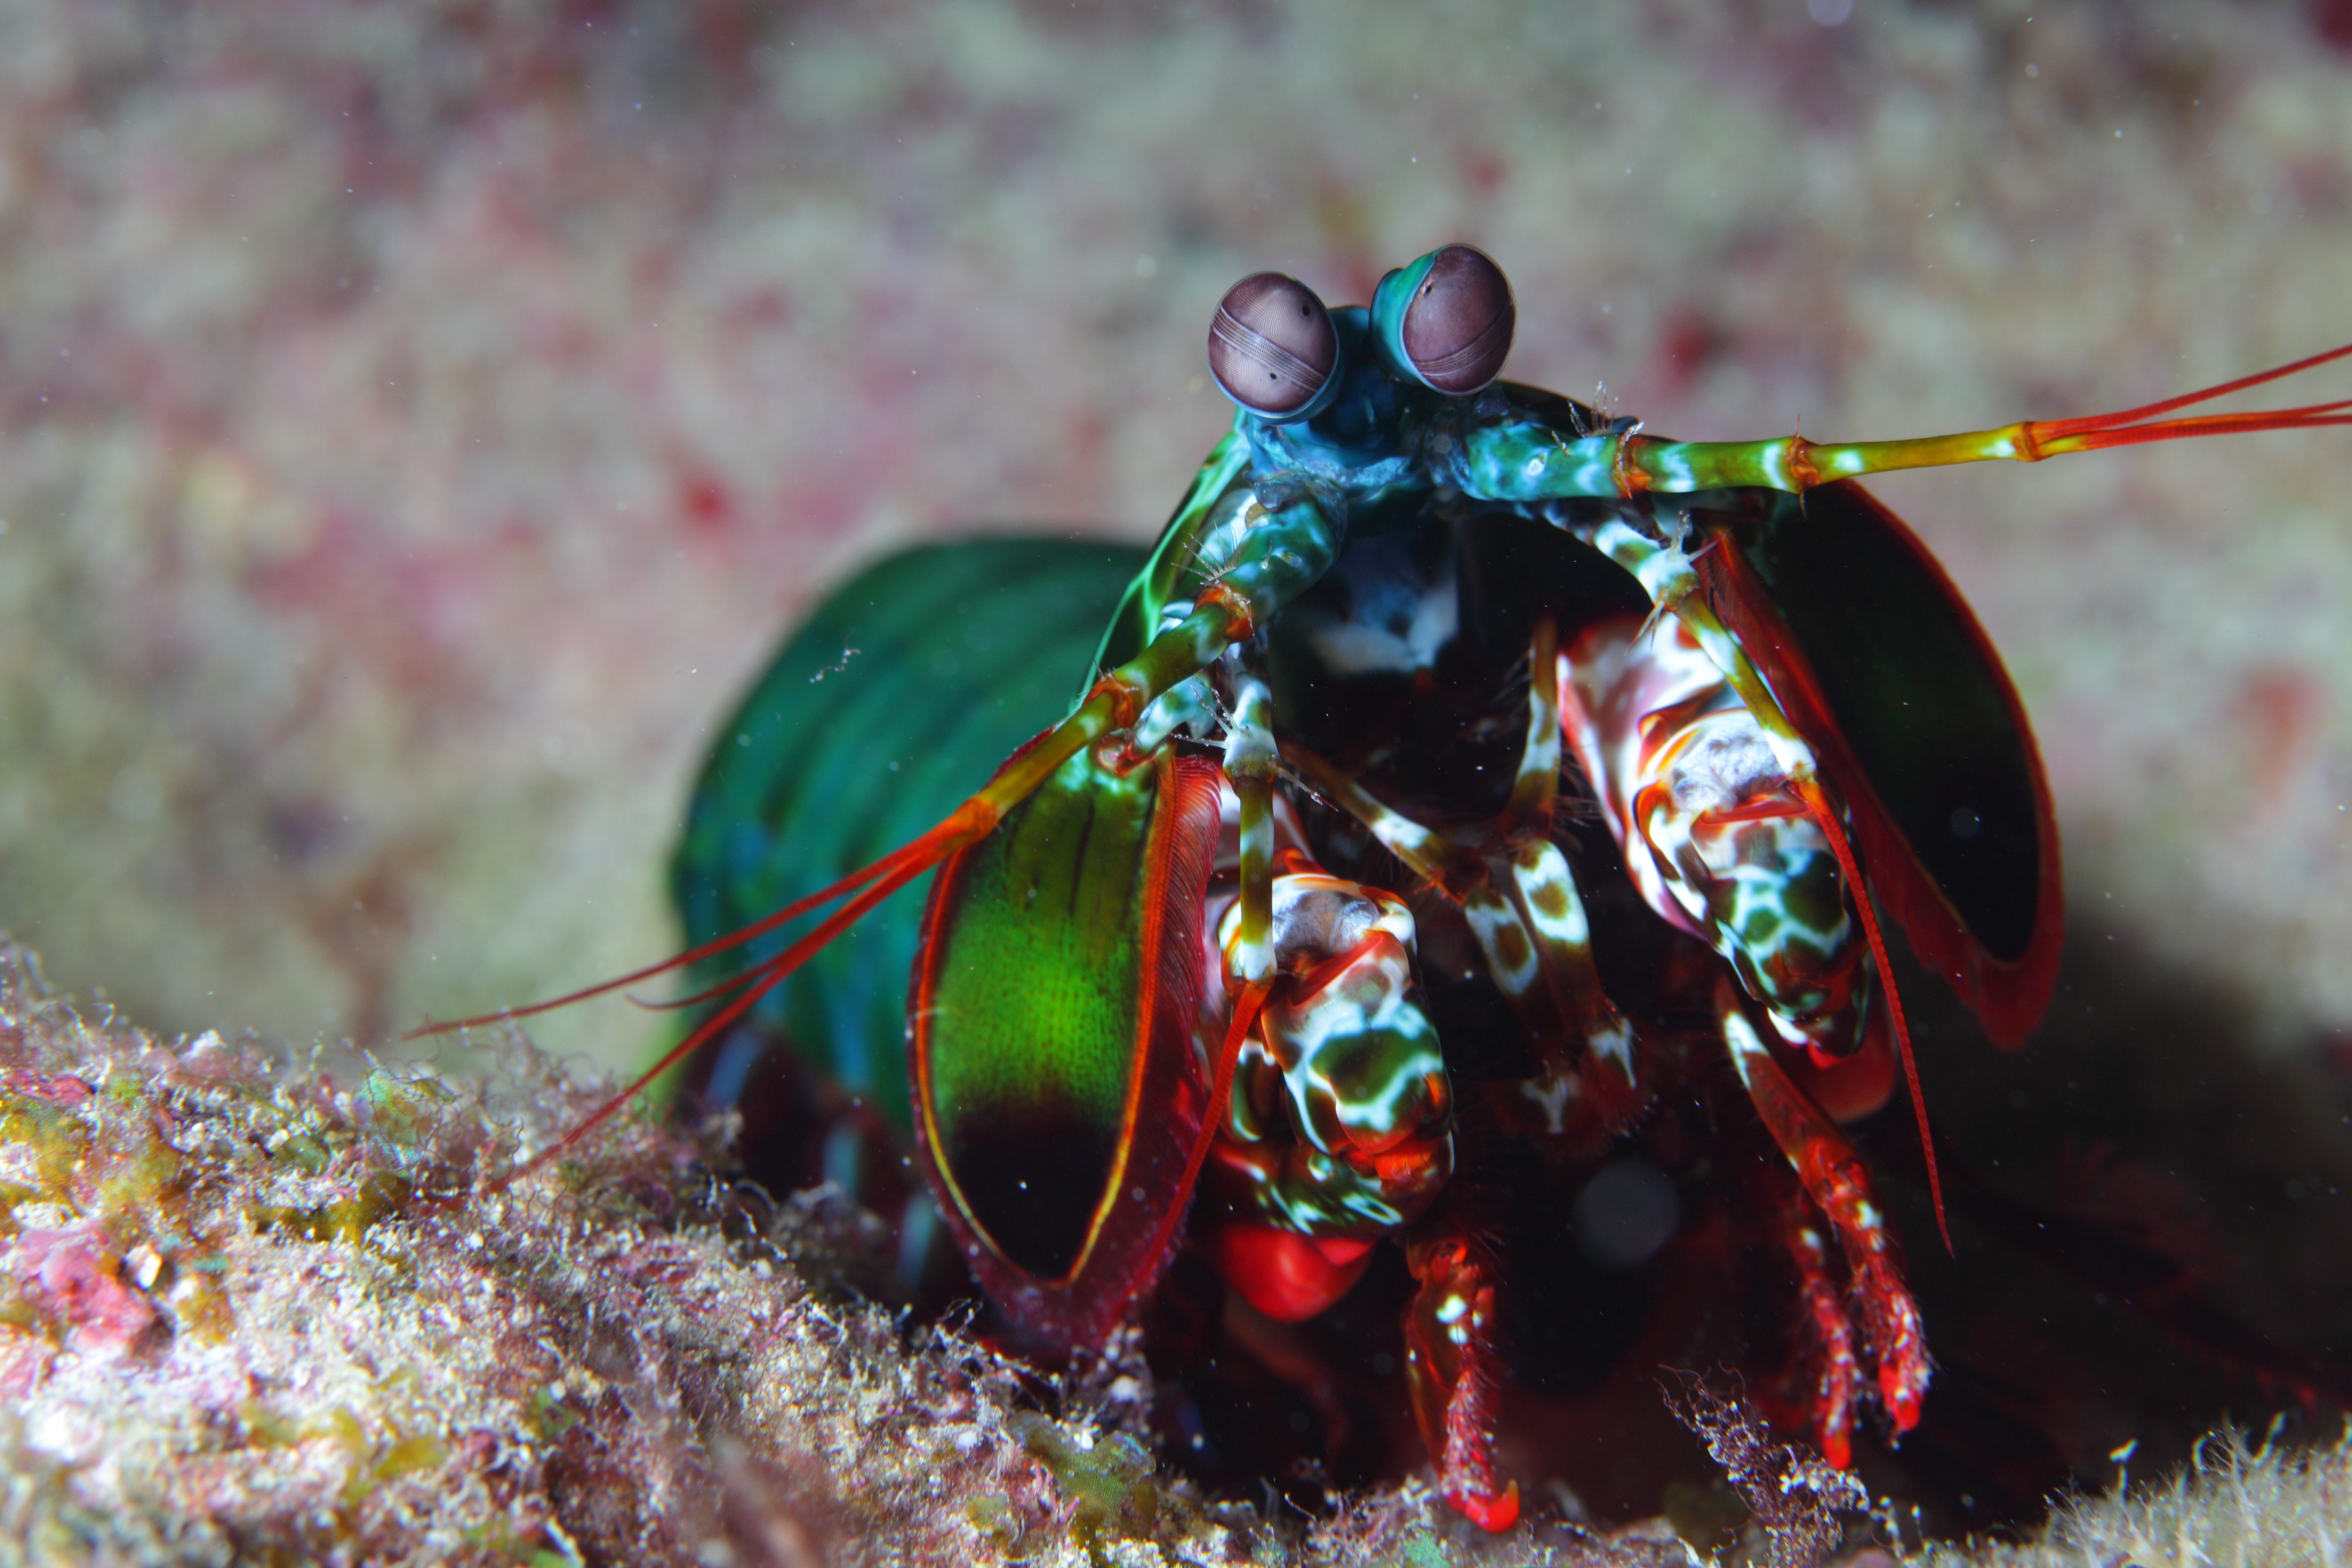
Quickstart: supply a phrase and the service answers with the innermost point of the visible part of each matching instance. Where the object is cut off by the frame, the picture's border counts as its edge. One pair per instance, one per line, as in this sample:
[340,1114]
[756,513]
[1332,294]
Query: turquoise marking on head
[1390,299]
[1445,322]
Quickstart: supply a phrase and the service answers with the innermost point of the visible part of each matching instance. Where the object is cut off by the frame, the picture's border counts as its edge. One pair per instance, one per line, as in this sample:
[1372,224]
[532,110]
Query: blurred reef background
[417,422]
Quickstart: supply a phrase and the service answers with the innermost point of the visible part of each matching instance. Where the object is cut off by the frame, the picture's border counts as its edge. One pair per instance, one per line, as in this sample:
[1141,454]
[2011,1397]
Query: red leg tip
[1492,1514]
[1901,1399]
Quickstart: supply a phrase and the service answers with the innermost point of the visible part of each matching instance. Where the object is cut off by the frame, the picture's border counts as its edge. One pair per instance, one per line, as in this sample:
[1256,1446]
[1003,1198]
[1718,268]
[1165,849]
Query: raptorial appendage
[1715,836]
[1338,1131]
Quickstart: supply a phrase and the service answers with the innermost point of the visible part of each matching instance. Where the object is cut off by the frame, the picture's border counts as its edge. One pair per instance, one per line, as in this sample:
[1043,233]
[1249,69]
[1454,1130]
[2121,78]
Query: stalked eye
[1457,329]
[1272,347]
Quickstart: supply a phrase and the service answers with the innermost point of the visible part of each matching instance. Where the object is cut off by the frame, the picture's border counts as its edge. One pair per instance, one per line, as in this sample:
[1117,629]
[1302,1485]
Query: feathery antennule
[1797,465]
[2130,426]
[710,992]
[761,981]
[978,816]
[920,856]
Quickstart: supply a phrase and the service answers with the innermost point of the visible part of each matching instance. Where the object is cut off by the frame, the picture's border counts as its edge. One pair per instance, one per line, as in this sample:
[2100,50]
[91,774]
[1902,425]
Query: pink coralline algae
[73,1276]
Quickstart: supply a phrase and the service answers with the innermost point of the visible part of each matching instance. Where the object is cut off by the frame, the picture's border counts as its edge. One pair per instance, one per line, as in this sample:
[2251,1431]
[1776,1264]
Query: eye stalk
[1447,319]
[1273,349]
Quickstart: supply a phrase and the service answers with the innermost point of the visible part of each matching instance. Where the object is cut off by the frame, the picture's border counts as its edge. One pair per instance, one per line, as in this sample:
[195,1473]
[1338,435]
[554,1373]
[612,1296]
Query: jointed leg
[1339,1129]
[1829,1351]
[1522,905]
[1836,1181]
[1451,1372]
[1250,762]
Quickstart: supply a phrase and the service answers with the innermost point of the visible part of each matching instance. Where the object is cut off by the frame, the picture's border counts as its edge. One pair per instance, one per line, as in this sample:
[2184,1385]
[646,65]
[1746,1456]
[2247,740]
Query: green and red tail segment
[1049,1039]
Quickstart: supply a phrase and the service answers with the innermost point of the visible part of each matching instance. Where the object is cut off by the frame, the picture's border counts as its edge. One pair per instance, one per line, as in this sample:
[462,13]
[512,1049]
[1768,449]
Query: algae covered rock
[251,1313]
[256,1310]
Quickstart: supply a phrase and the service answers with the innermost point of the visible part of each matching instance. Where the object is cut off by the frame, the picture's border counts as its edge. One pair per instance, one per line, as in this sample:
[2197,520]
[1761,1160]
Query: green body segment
[917,676]
[1050,1035]
[1032,1005]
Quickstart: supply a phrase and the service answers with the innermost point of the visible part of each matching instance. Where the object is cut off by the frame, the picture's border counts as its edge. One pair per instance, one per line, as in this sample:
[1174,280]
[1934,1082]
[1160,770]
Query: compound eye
[1457,330]
[1272,346]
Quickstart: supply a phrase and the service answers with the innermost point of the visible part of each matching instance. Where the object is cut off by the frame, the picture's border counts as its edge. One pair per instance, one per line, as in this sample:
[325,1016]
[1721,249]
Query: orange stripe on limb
[1246,1008]
[1816,801]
